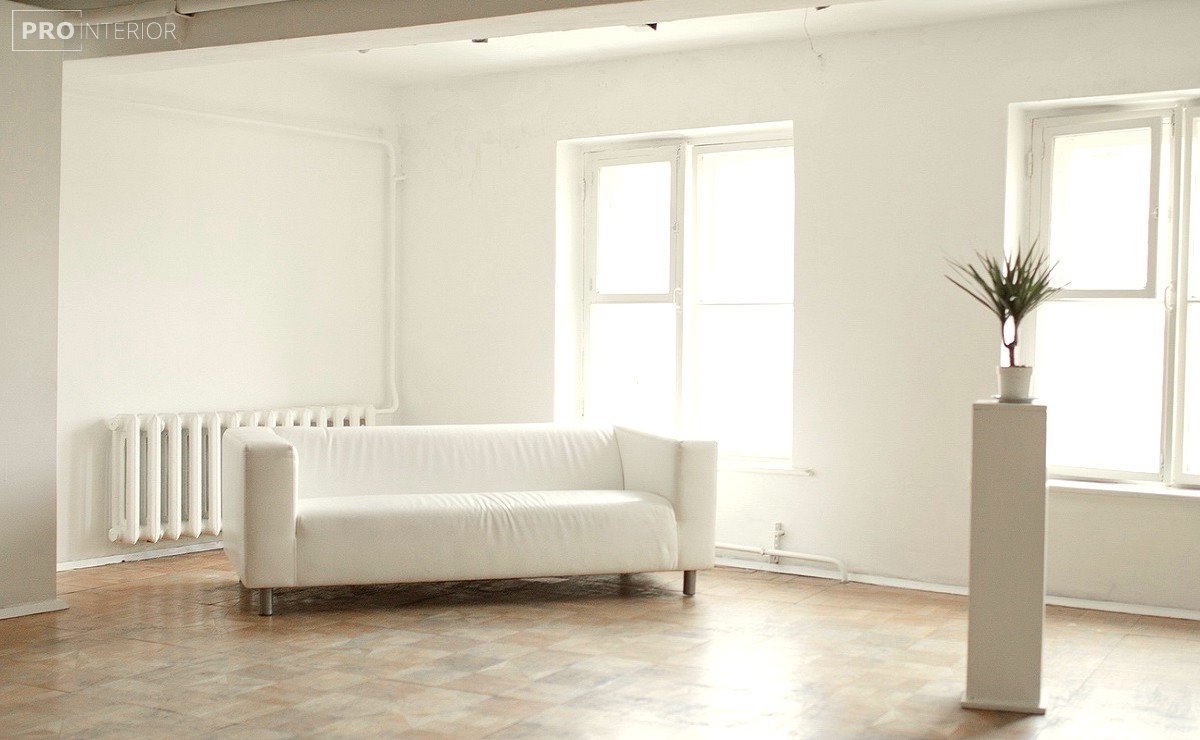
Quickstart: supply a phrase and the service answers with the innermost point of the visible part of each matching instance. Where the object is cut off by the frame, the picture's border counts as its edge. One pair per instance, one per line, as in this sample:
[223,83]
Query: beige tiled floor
[173,647]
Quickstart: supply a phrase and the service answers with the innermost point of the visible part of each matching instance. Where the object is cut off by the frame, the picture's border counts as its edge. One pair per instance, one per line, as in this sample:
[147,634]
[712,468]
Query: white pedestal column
[1008,558]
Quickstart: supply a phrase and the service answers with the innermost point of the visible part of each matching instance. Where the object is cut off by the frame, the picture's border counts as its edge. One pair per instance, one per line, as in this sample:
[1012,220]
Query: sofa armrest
[685,473]
[258,489]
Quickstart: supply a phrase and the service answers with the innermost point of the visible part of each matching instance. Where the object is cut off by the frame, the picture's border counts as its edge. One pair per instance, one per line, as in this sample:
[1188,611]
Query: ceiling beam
[300,27]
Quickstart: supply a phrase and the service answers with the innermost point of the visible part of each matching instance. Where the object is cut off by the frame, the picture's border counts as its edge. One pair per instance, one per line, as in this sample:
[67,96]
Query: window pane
[744,205]
[744,378]
[631,365]
[1100,370]
[1100,209]
[1191,394]
[633,224]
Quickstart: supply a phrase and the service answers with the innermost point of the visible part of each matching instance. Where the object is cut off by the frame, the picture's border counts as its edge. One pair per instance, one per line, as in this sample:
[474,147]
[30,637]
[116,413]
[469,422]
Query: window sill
[1127,490]
[766,466]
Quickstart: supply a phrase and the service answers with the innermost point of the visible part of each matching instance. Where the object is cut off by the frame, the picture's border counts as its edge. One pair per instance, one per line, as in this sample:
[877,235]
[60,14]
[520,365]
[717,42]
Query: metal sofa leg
[266,601]
[689,583]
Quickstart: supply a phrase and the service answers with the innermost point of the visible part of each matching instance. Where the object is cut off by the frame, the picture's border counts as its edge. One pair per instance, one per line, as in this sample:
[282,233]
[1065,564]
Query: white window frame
[1046,129]
[1166,278]
[672,153]
[683,155]
[1181,295]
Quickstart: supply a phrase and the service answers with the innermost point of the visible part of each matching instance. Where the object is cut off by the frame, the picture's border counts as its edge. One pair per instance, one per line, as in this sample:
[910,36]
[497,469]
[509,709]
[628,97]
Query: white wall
[30,87]
[284,90]
[900,140]
[210,265]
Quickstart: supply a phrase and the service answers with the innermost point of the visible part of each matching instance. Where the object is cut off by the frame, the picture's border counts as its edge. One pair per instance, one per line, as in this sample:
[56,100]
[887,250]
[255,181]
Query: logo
[47,30]
[65,30]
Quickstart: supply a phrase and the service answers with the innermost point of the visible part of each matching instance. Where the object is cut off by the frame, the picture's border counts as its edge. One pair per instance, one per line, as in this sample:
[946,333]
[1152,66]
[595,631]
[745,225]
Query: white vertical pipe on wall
[390,283]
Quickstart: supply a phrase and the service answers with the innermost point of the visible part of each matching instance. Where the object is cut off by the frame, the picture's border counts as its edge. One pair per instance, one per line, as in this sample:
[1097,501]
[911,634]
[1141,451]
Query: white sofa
[312,507]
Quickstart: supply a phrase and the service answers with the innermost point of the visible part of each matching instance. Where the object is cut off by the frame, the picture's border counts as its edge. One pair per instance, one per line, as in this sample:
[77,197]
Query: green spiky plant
[1008,287]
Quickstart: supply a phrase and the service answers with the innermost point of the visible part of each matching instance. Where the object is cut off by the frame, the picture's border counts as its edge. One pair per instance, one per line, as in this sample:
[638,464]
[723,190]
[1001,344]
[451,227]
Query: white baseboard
[130,557]
[942,588]
[1116,606]
[831,573]
[37,607]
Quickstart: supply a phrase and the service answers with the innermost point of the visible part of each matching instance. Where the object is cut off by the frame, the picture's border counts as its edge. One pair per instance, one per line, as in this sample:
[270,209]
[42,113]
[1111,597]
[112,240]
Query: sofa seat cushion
[467,536]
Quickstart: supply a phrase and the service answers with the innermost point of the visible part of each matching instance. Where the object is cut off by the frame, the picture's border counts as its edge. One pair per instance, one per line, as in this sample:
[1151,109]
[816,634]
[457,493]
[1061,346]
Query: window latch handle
[675,298]
[1169,296]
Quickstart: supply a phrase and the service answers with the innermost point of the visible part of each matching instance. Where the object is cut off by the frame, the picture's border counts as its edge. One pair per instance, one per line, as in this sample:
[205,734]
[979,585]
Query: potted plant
[1011,288]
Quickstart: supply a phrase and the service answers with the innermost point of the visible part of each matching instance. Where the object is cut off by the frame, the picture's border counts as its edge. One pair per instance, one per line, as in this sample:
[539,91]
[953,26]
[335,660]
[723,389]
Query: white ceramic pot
[1014,383]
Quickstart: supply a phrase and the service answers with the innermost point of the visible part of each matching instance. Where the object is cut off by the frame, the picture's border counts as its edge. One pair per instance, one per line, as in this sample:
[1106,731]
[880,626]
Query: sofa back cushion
[363,461]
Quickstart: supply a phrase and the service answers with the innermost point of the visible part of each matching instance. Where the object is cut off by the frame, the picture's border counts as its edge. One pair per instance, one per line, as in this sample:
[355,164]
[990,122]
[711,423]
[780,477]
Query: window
[1118,351]
[687,315]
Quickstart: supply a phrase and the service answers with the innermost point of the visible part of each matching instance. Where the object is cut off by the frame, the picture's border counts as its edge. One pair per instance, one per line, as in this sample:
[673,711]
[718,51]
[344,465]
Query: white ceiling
[407,65]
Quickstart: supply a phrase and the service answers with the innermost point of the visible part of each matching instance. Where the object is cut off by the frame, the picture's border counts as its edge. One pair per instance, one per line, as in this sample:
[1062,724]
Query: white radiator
[165,469]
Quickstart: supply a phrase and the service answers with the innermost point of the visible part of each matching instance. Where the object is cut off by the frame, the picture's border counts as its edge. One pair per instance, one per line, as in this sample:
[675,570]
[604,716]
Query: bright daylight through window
[688,292]
[1114,199]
